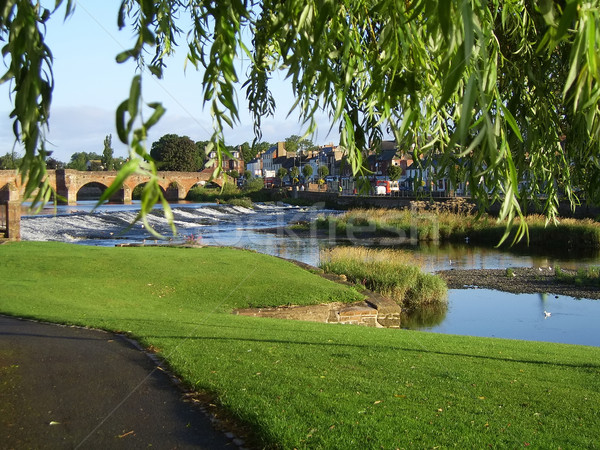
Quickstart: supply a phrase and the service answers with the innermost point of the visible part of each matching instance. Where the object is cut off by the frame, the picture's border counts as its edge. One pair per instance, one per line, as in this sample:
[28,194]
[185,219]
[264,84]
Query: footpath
[65,387]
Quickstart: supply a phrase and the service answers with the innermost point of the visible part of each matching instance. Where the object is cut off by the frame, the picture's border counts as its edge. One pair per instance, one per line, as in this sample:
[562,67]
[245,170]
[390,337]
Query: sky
[89,85]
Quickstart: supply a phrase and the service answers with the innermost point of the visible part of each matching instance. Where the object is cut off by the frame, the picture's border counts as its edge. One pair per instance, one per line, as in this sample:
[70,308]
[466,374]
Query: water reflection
[489,313]
[426,316]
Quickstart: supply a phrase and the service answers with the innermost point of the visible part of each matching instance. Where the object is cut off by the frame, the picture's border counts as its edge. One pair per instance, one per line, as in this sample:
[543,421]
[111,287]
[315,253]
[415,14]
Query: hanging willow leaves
[506,90]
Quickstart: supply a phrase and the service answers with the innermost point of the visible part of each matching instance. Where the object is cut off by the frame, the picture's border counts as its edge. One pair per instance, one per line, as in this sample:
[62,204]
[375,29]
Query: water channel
[476,312]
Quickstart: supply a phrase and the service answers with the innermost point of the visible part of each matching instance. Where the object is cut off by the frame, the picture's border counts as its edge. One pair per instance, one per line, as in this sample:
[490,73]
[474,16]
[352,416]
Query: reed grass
[392,273]
[589,276]
[446,225]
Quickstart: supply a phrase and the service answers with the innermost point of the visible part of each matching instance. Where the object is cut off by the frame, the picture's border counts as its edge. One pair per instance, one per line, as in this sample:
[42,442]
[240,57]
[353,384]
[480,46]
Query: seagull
[547,314]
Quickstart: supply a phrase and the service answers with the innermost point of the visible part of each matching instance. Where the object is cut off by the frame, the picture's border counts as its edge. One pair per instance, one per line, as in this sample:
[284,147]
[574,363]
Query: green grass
[440,224]
[310,385]
[389,272]
[589,276]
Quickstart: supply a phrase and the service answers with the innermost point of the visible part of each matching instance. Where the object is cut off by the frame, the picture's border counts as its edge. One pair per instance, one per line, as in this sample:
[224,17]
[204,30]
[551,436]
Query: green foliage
[79,160]
[53,164]
[107,155]
[394,172]
[589,276]
[177,153]
[289,381]
[322,171]
[307,171]
[254,184]
[386,272]
[294,172]
[439,223]
[440,75]
[281,173]
[10,161]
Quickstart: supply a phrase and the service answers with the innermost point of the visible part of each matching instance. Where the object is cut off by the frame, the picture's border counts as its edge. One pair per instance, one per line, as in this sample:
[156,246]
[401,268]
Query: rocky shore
[516,280]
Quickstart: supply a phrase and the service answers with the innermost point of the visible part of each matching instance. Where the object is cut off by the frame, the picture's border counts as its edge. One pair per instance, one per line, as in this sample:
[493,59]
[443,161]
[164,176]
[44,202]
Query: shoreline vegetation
[292,384]
[454,221]
[391,273]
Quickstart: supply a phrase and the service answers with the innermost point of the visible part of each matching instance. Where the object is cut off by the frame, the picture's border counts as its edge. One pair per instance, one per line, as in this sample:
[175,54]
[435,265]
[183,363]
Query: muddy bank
[517,280]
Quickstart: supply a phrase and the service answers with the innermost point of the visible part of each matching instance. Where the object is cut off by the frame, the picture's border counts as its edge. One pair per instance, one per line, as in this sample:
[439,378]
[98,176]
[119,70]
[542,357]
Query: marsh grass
[589,276]
[392,273]
[447,225]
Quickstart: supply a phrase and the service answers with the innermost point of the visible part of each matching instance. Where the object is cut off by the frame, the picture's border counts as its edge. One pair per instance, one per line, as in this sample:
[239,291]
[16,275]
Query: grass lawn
[310,385]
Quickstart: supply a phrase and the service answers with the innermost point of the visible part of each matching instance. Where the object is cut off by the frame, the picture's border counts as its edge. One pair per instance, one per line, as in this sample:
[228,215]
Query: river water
[476,312]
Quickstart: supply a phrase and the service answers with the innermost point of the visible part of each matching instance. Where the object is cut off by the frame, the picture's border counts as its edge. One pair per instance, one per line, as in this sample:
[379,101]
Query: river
[477,312]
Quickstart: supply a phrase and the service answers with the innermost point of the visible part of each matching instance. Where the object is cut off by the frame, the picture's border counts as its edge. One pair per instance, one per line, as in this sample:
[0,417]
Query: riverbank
[517,280]
[301,384]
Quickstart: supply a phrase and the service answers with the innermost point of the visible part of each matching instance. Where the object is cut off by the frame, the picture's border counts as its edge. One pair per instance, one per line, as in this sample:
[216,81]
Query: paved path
[63,387]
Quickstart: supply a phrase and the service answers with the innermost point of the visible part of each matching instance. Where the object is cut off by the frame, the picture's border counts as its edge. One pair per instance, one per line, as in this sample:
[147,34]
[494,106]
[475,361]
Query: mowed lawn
[309,385]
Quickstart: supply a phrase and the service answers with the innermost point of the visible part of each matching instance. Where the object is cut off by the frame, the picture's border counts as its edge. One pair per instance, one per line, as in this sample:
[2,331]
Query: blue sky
[89,85]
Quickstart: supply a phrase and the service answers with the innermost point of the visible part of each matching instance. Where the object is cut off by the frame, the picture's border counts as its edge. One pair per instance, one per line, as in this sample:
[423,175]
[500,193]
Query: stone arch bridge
[67,183]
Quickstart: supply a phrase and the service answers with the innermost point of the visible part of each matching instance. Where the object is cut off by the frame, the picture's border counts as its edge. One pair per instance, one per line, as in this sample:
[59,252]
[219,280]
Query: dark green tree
[53,164]
[281,173]
[176,153]
[307,171]
[107,155]
[202,156]
[294,173]
[9,161]
[394,172]
[323,171]
[80,160]
[248,152]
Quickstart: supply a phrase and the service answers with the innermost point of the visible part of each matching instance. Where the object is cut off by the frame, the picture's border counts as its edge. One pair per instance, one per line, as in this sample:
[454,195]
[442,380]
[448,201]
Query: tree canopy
[507,90]
[178,153]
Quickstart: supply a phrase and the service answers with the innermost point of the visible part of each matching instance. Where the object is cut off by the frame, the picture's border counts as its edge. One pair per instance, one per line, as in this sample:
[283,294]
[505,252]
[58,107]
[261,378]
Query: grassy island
[302,384]
[444,223]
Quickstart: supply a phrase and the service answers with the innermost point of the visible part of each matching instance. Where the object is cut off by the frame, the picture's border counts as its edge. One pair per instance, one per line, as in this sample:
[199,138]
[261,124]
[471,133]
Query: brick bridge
[68,183]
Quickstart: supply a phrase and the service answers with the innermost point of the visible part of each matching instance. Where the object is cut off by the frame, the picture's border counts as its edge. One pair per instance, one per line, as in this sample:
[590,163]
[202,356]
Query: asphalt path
[66,387]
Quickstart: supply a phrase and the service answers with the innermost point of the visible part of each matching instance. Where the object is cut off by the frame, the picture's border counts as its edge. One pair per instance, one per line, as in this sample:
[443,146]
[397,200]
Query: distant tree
[177,153]
[79,160]
[248,152]
[247,174]
[53,164]
[9,161]
[291,143]
[394,172]
[281,173]
[323,171]
[202,156]
[296,144]
[294,172]
[234,174]
[118,162]
[107,155]
[307,171]
[261,147]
